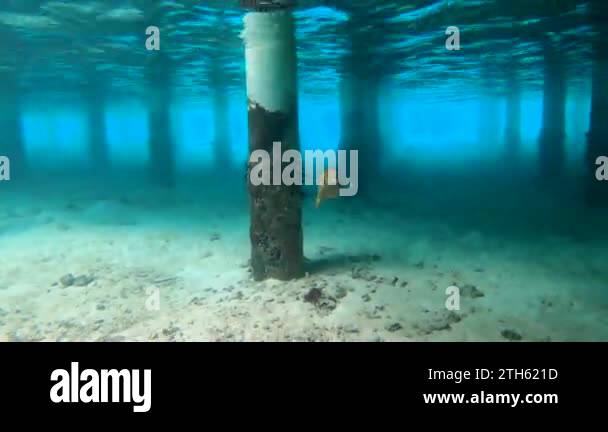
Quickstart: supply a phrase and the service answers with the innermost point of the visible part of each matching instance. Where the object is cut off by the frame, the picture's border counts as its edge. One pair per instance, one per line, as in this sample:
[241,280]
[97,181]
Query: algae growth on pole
[276,213]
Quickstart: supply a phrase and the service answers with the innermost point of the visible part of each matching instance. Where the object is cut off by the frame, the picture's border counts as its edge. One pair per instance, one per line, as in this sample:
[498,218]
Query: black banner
[213,380]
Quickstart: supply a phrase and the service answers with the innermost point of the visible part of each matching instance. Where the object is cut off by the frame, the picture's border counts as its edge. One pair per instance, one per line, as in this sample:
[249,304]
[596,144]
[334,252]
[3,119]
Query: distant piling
[359,103]
[220,102]
[489,119]
[597,137]
[221,140]
[553,130]
[276,213]
[11,139]
[513,121]
[162,150]
[158,72]
[98,147]
[360,130]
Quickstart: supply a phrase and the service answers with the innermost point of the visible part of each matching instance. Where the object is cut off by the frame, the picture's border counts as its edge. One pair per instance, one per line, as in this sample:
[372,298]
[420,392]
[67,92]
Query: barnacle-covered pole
[597,137]
[272,97]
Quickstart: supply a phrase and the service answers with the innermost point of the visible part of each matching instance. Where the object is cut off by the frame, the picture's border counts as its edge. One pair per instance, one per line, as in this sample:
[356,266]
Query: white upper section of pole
[270,55]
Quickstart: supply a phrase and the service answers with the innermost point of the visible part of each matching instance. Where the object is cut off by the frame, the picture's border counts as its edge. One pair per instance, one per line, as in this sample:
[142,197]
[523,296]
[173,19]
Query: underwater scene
[304,170]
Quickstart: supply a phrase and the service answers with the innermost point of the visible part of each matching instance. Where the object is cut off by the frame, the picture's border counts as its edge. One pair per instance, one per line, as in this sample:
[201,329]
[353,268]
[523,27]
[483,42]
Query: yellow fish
[328,186]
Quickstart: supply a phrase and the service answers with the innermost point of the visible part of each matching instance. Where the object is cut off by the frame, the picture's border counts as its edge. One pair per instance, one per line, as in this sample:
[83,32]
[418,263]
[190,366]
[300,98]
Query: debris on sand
[67,280]
[198,301]
[313,296]
[113,338]
[470,291]
[340,292]
[366,259]
[323,303]
[394,327]
[349,328]
[511,335]
[324,250]
[82,280]
[438,321]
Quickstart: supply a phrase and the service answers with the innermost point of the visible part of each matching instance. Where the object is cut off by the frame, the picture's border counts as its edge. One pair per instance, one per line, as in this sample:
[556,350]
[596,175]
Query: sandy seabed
[117,263]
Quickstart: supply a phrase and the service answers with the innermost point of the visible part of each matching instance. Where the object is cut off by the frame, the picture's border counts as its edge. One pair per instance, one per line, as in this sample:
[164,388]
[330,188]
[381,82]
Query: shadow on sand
[338,262]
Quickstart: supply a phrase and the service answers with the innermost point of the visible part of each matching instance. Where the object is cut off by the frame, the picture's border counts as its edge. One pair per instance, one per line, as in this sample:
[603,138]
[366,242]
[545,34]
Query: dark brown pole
[276,214]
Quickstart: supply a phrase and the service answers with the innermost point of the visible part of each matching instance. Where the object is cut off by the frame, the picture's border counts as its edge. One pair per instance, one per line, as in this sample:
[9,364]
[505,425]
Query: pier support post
[489,121]
[513,123]
[97,129]
[162,154]
[221,141]
[276,214]
[359,104]
[553,131]
[360,129]
[11,133]
[597,137]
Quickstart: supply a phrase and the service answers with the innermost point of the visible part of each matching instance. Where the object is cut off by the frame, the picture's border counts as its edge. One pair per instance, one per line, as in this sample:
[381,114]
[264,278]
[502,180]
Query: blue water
[446,204]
